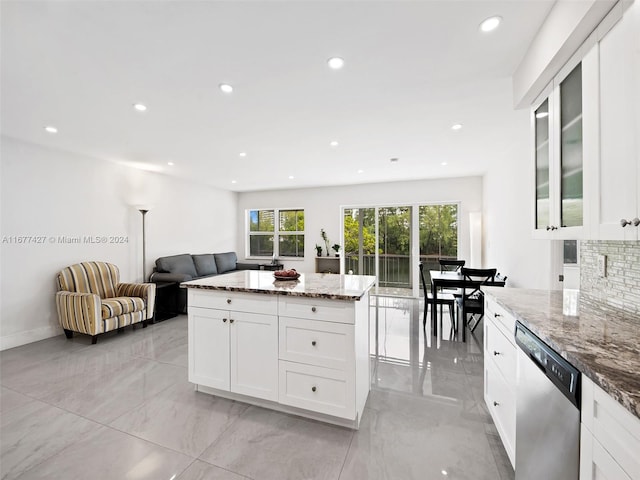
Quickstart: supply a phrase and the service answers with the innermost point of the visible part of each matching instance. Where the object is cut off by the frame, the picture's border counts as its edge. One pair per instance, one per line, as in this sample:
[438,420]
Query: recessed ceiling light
[226,88]
[171,164]
[542,114]
[393,160]
[444,164]
[291,177]
[360,171]
[243,154]
[140,107]
[444,472]
[51,129]
[490,23]
[234,181]
[335,63]
[456,126]
[334,144]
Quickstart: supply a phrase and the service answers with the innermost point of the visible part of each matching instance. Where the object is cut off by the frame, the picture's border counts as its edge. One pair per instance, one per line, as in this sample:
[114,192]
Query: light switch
[602,266]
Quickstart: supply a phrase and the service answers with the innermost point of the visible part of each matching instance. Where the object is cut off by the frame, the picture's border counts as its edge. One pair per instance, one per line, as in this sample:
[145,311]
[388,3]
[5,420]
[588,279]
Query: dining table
[452,280]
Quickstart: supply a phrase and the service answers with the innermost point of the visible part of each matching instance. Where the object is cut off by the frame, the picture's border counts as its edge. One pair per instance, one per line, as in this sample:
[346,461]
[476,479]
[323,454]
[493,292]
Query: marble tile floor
[123,409]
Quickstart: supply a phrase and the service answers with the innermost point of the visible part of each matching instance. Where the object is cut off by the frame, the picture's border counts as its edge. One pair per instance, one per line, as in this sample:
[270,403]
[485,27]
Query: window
[276,232]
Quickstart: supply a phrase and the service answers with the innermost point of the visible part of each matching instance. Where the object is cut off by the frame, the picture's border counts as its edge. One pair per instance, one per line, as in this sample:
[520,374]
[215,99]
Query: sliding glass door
[378,241]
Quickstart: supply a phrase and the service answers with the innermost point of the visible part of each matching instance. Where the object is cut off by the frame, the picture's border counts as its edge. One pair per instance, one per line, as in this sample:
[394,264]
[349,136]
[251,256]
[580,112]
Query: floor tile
[181,419]
[199,470]
[35,432]
[107,455]
[268,445]
[10,400]
[38,352]
[105,398]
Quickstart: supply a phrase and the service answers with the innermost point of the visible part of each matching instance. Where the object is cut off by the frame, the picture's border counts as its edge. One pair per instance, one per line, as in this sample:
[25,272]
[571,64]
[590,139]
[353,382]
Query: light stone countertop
[602,342]
[313,285]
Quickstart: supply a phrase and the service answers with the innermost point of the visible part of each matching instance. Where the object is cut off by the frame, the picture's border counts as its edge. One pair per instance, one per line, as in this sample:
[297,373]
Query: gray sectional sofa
[185,267]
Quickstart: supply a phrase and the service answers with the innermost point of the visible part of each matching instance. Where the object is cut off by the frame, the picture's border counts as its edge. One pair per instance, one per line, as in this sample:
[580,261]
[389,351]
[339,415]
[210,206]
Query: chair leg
[94,339]
[121,329]
[476,323]
[424,317]
[144,324]
[68,333]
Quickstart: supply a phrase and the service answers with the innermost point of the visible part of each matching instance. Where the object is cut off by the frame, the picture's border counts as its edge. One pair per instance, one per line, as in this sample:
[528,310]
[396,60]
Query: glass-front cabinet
[561,148]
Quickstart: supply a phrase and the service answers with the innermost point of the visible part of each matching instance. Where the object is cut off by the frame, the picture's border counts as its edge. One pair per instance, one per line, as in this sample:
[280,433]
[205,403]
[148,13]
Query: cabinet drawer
[501,401]
[339,311]
[238,302]
[318,389]
[612,426]
[315,342]
[505,320]
[501,351]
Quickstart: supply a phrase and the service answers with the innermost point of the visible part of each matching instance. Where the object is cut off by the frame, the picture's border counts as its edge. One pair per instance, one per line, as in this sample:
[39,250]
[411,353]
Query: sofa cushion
[177,264]
[226,261]
[112,307]
[205,264]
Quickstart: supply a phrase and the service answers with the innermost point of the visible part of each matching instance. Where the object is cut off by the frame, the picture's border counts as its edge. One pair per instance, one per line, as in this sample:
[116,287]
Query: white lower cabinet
[500,373]
[609,437]
[304,355]
[234,351]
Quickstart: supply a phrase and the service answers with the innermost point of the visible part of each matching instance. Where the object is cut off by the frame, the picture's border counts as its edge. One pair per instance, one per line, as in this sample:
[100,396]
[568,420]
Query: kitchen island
[298,346]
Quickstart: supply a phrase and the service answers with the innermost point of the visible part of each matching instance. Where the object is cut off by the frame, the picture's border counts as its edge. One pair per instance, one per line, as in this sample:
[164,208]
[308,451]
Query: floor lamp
[144,211]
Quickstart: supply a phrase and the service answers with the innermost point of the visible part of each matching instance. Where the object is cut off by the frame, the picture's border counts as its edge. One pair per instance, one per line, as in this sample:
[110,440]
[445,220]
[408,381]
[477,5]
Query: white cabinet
[564,124]
[609,437]
[500,373]
[320,359]
[233,350]
[307,356]
[618,183]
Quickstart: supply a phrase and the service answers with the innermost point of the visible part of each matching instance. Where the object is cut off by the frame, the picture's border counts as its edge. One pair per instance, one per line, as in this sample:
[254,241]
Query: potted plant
[318,250]
[336,247]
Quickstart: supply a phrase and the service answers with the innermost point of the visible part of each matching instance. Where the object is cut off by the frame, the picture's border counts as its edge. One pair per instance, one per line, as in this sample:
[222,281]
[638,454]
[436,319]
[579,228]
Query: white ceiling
[412,70]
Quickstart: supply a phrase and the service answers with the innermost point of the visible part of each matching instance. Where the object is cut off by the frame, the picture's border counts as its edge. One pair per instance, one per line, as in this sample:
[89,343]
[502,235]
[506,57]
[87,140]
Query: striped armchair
[91,300]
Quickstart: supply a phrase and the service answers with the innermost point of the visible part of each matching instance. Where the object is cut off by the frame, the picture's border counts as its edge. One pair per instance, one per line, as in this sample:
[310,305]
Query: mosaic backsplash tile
[621,287]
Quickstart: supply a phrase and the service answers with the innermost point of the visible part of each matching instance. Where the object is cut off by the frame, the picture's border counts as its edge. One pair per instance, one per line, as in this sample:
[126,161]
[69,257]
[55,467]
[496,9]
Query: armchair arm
[147,291]
[170,277]
[79,312]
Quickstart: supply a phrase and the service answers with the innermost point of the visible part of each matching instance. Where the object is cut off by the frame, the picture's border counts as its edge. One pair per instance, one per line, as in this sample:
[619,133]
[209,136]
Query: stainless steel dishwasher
[547,412]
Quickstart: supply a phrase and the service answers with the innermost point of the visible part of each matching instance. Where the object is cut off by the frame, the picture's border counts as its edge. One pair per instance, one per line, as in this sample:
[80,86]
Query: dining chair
[472,300]
[443,299]
[447,265]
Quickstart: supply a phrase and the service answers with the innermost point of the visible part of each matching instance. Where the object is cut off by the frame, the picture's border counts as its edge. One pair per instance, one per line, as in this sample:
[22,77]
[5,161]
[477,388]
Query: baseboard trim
[29,336]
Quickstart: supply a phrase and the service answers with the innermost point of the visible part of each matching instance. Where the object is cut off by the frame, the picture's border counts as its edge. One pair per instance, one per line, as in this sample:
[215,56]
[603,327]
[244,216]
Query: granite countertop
[602,342]
[313,285]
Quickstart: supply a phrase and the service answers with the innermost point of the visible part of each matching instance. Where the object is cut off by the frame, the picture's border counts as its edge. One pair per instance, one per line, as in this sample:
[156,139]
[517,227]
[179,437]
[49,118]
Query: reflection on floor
[124,409]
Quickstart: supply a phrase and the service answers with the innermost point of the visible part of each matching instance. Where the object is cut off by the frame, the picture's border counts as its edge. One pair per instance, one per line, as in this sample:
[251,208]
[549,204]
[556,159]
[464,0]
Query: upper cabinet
[615,216]
[586,138]
[563,127]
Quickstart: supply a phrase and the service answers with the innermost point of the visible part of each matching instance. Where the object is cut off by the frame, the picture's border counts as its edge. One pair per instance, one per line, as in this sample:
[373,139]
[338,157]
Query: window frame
[277,233]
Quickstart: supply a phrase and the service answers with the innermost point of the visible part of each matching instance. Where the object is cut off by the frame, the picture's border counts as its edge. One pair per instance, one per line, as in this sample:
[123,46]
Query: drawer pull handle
[313,309]
[495,404]
[224,320]
[496,352]
[313,343]
[313,389]
[497,315]
[231,320]
[229,301]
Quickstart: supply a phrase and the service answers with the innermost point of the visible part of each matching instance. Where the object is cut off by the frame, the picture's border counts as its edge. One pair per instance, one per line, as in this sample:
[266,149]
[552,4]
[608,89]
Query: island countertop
[312,285]
[602,342]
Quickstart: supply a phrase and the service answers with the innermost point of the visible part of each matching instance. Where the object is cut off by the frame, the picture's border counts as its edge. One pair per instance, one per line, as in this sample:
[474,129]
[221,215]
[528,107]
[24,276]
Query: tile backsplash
[621,287]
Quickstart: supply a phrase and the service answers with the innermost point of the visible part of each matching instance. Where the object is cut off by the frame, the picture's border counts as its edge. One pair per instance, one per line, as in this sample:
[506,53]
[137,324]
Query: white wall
[52,193]
[322,207]
[508,191]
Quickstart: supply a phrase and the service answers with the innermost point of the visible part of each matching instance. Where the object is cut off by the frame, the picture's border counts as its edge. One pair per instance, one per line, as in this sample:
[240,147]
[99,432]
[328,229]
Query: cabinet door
[595,462]
[254,355]
[541,121]
[209,347]
[618,181]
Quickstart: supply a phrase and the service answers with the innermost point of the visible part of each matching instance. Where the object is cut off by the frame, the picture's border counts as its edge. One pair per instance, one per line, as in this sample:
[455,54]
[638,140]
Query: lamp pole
[144,211]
